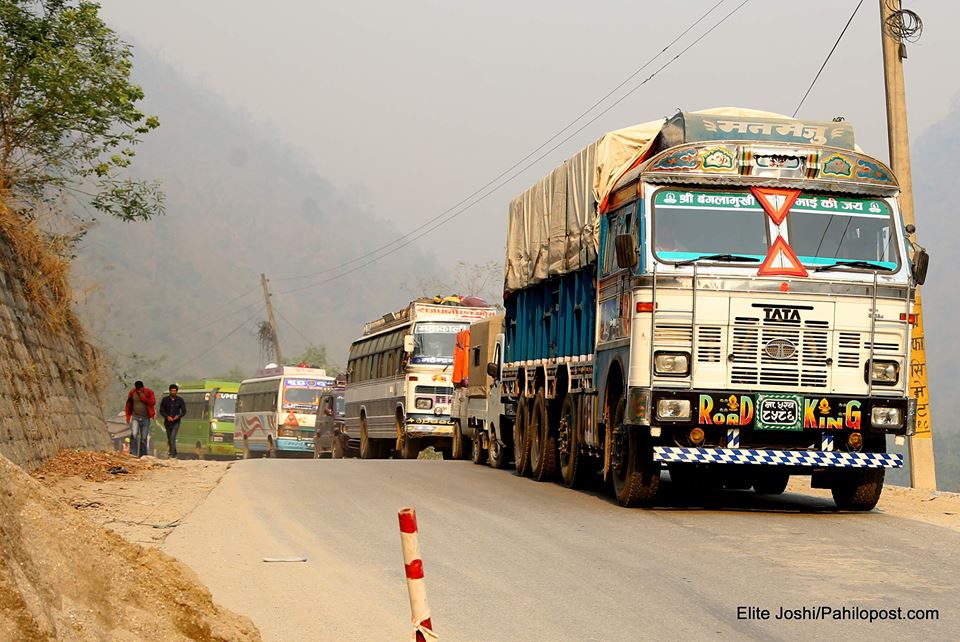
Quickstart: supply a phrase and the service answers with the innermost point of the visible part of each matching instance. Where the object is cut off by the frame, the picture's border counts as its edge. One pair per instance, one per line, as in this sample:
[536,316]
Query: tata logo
[781,314]
[780,349]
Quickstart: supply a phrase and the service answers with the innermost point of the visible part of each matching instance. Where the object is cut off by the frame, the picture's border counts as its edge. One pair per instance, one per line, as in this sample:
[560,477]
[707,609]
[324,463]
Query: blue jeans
[172,430]
[139,435]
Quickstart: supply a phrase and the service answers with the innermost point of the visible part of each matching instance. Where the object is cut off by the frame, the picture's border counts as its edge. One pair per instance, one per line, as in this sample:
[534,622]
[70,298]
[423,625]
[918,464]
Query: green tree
[68,111]
[315,356]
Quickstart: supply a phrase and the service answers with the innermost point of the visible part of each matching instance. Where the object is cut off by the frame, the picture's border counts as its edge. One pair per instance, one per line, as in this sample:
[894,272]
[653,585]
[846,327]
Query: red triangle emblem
[775,202]
[781,261]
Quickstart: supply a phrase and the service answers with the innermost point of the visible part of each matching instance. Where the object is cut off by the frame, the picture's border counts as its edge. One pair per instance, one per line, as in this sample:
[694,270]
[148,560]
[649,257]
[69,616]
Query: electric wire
[516,164]
[823,66]
[216,343]
[453,215]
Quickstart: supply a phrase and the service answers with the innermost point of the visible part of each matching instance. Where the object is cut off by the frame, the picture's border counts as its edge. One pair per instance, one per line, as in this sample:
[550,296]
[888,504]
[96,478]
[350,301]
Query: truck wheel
[337,448]
[459,446]
[773,482]
[497,454]
[858,489]
[409,447]
[636,476]
[477,453]
[543,444]
[569,444]
[521,441]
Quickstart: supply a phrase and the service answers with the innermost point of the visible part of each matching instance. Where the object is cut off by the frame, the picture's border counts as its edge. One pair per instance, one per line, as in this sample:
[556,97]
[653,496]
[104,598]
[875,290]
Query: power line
[437,224]
[189,331]
[515,165]
[823,66]
[294,328]
[216,343]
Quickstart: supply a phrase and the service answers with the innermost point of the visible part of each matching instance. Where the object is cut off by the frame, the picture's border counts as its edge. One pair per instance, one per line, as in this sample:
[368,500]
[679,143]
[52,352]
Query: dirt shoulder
[936,508]
[143,504]
[64,577]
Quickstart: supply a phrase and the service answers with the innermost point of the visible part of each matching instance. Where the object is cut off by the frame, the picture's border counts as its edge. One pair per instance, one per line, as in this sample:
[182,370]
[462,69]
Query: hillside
[238,204]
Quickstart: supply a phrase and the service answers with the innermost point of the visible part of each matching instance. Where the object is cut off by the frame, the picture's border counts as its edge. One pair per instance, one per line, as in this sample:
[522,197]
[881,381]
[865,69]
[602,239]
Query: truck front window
[826,229]
[690,224]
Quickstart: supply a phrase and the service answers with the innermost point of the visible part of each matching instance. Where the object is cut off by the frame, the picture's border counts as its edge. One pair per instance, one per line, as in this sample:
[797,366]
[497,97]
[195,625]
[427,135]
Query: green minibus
[207,428]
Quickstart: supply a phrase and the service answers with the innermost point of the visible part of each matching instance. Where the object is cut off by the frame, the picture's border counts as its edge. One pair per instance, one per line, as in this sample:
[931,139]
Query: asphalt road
[512,559]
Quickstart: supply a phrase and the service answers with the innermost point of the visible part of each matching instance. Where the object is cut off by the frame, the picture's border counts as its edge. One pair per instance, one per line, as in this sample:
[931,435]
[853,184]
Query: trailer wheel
[543,444]
[571,470]
[858,490]
[636,476]
[477,453]
[521,441]
[772,482]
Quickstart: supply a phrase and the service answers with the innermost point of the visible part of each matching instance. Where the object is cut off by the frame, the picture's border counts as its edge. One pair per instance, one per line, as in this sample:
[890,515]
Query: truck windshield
[434,342]
[225,406]
[687,225]
[825,229]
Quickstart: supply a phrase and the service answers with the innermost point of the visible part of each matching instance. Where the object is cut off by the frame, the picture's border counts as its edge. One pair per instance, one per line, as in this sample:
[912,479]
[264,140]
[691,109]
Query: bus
[207,428]
[277,410]
[399,378]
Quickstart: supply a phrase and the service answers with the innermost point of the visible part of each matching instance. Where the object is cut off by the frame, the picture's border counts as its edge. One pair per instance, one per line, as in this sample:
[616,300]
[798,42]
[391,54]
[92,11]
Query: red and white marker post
[419,610]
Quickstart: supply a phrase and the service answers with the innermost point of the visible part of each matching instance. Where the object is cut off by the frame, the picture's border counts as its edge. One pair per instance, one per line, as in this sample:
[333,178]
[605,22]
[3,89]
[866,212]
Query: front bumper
[429,426]
[794,458]
[296,445]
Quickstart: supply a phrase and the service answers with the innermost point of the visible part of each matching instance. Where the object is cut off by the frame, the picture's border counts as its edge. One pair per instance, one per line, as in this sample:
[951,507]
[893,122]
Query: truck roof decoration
[552,225]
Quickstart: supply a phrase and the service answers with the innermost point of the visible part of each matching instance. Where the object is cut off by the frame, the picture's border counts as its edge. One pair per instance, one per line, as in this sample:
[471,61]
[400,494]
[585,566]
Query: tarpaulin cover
[552,226]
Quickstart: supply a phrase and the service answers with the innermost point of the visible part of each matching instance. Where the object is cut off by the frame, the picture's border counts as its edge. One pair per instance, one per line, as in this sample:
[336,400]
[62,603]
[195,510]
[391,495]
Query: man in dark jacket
[139,411]
[172,409]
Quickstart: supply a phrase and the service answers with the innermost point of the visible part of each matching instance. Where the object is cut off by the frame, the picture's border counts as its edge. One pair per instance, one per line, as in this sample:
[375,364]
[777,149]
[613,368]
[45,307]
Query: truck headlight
[886,417]
[423,403]
[673,409]
[885,373]
[675,364]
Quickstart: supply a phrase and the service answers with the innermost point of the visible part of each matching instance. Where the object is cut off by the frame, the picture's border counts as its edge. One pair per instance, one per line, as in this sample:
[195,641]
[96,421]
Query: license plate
[217,438]
[779,412]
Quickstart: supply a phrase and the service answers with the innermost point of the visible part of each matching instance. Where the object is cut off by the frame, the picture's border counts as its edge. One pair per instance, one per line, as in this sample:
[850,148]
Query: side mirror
[921,260]
[408,343]
[626,251]
[493,370]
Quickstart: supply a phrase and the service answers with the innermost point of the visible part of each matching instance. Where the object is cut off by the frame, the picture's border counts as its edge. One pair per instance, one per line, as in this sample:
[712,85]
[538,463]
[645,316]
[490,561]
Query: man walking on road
[172,409]
[139,411]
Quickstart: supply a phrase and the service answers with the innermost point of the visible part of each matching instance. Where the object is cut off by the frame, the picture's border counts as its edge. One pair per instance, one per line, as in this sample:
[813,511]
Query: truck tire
[571,471]
[858,490]
[478,454]
[636,477]
[409,447]
[772,482]
[521,441]
[498,455]
[459,446]
[543,443]
[337,448]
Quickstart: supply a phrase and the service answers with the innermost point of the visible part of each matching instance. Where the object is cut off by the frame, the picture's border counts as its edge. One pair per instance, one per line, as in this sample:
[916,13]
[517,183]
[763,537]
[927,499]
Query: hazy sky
[411,105]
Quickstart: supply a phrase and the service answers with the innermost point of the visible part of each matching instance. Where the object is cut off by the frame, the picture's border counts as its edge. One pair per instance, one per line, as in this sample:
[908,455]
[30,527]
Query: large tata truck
[725,294]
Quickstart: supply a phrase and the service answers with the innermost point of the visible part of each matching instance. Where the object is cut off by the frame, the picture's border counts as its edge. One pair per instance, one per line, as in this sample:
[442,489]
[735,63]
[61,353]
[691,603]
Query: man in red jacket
[140,411]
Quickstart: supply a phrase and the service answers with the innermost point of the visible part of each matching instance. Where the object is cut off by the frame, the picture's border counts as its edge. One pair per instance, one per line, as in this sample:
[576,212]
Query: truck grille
[751,364]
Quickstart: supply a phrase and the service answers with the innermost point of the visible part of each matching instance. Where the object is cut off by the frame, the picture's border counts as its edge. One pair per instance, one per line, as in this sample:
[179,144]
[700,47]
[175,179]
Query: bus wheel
[459,447]
[271,447]
[521,443]
[199,447]
[858,489]
[368,449]
[409,447]
[543,444]
[772,482]
[478,454]
[246,447]
[571,468]
[636,476]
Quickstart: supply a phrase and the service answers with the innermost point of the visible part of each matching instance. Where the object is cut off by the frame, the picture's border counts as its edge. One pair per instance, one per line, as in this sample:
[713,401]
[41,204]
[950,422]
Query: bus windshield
[225,406]
[302,395]
[434,342]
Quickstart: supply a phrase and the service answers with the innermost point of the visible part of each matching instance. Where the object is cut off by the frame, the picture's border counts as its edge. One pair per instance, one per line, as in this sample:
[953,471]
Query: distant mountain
[935,156]
[238,204]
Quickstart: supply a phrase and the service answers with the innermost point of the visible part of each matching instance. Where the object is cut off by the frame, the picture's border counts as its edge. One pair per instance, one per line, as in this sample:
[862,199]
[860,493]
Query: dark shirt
[170,407]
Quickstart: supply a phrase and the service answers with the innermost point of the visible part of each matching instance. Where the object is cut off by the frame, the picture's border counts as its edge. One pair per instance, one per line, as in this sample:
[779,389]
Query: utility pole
[922,466]
[271,319]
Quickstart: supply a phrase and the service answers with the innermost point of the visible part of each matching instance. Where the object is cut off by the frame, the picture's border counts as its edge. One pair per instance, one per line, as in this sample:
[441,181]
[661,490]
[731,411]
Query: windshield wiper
[730,258]
[865,265]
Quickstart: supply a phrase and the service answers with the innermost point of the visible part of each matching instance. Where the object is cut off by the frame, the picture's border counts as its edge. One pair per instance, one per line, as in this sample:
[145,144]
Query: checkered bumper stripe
[674,454]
